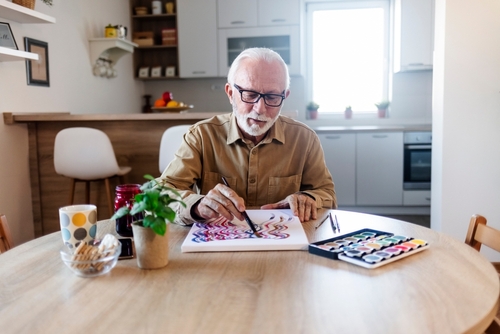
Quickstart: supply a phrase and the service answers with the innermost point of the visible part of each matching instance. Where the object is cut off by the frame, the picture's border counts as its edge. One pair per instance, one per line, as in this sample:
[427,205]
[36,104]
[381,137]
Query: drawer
[417,198]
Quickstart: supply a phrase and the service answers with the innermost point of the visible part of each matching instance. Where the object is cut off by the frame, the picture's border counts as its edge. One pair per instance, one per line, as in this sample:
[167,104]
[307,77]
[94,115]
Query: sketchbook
[280,230]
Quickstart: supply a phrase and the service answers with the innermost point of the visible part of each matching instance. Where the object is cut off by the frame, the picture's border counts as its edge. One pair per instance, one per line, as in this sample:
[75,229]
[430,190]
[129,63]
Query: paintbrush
[321,223]
[244,213]
[332,223]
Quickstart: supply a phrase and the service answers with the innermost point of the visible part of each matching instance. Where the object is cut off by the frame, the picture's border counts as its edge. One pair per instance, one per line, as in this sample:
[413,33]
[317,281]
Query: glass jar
[124,196]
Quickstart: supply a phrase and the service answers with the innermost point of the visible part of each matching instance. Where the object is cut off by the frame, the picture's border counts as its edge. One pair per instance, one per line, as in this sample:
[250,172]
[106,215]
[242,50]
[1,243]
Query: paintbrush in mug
[245,215]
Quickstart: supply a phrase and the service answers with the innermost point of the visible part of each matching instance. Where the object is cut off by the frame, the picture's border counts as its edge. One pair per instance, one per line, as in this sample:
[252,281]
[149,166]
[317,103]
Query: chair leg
[108,194]
[87,192]
[72,192]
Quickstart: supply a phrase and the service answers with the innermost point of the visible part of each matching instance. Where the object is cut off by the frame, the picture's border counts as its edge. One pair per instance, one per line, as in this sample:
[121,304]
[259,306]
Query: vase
[151,249]
[382,113]
[25,3]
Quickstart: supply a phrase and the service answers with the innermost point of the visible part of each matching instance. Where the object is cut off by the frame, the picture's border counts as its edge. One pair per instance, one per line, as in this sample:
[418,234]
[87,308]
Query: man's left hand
[301,205]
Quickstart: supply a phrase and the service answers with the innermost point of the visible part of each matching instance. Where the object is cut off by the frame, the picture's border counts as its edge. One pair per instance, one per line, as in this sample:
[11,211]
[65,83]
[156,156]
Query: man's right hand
[221,200]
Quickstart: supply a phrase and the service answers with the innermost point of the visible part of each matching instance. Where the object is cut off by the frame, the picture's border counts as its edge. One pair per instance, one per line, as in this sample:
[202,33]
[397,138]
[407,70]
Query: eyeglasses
[249,96]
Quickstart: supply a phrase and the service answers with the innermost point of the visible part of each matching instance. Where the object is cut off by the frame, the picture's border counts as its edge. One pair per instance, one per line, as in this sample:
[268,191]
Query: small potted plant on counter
[151,232]
[382,108]
[312,110]
[348,112]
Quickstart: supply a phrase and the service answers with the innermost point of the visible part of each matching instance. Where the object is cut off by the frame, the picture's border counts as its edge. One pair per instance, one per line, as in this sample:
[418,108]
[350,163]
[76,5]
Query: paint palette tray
[368,248]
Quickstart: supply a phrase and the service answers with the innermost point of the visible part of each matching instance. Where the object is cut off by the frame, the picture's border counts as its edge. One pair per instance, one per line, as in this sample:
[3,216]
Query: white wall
[466,116]
[73,89]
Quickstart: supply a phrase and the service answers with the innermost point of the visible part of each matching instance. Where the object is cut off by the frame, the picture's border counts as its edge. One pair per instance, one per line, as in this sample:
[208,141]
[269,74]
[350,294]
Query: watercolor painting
[280,230]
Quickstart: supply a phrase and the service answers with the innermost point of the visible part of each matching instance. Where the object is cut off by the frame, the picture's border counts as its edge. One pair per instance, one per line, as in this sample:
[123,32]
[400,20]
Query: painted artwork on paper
[279,230]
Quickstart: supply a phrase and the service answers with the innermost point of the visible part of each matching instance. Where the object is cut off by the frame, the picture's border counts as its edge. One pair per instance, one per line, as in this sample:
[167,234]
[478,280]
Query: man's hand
[301,205]
[221,200]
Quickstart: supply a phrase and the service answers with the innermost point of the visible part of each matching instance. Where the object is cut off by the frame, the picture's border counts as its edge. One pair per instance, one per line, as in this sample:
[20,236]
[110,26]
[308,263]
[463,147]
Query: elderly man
[269,161]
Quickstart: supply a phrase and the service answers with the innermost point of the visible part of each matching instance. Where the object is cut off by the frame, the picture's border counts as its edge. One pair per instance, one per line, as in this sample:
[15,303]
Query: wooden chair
[481,234]
[6,242]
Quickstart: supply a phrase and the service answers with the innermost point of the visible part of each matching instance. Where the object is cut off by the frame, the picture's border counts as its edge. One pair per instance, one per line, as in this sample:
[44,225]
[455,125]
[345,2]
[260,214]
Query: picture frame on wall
[7,39]
[37,71]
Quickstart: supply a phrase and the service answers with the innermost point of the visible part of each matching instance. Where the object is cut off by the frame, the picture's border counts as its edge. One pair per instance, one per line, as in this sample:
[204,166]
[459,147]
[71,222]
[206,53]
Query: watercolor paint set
[368,248]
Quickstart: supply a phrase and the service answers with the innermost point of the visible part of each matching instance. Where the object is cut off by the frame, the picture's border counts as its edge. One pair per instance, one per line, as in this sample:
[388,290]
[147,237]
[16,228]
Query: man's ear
[229,92]
[287,92]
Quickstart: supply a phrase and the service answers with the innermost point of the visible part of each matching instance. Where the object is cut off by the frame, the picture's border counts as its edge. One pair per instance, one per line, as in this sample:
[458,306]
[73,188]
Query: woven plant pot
[25,3]
[151,249]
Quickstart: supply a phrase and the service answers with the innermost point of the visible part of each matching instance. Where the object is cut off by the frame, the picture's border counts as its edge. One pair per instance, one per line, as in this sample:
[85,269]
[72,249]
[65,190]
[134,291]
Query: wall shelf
[110,48]
[17,13]
[7,54]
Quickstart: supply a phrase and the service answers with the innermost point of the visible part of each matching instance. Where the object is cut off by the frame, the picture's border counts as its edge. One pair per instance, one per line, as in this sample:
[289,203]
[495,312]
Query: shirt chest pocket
[280,187]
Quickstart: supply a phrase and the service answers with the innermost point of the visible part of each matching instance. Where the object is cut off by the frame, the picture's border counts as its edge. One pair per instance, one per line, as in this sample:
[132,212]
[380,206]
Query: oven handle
[418,147]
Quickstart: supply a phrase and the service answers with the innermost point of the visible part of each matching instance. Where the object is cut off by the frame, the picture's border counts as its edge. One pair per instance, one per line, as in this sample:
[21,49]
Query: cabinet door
[197,33]
[414,35]
[340,158]
[379,168]
[237,13]
[278,12]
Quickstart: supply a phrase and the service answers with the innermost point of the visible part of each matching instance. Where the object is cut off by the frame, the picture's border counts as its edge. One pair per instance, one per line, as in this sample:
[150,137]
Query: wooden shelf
[7,54]
[17,13]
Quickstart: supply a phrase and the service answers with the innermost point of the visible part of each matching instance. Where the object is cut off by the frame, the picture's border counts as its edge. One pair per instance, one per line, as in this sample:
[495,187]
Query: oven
[417,160]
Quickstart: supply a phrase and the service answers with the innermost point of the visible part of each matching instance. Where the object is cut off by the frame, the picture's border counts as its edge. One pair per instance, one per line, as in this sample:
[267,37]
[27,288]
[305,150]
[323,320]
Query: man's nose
[260,106]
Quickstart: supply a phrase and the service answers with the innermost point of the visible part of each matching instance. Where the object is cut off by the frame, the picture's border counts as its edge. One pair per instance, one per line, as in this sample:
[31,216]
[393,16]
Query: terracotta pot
[382,113]
[313,114]
[151,249]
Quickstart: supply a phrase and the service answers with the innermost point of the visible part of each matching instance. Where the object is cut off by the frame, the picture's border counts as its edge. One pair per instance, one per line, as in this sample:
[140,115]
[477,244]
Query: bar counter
[136,142]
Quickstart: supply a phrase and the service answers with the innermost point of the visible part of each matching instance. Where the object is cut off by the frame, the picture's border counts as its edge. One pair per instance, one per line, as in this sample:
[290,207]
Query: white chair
[170,142]
[85,155]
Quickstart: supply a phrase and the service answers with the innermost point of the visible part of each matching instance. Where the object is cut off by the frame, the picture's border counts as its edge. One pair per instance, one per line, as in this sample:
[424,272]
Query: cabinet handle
[237,22]
[379,136]
[427,198]
[198,72]
[332,137]
[278,20]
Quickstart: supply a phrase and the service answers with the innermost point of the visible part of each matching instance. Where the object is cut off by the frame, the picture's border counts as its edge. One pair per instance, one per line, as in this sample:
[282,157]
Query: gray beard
[253,130]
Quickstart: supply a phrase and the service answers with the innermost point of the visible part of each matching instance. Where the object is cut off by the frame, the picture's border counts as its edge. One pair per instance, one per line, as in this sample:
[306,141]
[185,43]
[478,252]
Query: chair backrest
[6,242]
[85,154]
[170,142]
[481,234]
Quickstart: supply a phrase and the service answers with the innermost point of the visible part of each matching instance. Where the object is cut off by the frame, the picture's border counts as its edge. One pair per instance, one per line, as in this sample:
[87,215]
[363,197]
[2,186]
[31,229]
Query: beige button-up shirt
[288,160]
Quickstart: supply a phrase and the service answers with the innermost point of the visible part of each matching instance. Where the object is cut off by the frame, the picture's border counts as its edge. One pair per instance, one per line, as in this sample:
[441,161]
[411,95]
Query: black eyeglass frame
[241,90]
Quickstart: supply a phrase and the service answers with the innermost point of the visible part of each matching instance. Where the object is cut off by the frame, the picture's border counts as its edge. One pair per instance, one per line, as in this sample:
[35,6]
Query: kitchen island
[136,142]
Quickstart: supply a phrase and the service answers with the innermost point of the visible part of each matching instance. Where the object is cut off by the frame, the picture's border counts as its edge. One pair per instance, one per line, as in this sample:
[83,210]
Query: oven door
[417,167]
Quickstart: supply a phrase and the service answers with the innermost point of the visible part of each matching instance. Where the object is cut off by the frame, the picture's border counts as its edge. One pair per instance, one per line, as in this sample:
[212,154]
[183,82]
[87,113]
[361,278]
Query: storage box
[144,38]
[168,33]
[169,41]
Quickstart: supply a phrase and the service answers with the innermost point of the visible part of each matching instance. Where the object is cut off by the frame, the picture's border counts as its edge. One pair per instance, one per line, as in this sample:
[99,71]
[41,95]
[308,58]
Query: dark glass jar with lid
[124,196]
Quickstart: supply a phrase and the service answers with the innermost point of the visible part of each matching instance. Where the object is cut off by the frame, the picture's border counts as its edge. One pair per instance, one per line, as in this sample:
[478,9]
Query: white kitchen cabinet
[417,198]
[340,158]
[278,12]
[251,13]
[413,35]
[379,169]
[197,34]
[237,13]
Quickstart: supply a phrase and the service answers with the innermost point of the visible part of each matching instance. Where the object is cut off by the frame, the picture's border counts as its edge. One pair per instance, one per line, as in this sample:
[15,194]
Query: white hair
[265,54]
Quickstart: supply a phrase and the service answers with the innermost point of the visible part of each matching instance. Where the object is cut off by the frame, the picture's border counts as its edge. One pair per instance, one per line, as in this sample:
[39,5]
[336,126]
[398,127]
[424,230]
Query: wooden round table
[448,288]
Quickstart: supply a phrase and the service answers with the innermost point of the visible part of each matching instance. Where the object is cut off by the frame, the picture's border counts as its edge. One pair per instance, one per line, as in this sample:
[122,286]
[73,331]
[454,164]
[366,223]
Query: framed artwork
[7,39]
[37,71]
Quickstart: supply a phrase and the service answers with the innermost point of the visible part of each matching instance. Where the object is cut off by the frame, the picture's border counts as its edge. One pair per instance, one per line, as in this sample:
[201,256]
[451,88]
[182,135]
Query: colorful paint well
[403,248]
[393,250]
[353,252]
[383,254]
[374,245]
[410,244]
[371,258]
[419,242]
[400,237]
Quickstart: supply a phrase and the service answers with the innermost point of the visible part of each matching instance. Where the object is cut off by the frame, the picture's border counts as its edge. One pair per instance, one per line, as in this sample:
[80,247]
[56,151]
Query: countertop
[373,128]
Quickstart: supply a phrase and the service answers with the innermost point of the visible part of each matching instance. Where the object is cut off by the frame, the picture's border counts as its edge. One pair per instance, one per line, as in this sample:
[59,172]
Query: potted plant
[151,232]
[348,112]
[312,110]
[382,108]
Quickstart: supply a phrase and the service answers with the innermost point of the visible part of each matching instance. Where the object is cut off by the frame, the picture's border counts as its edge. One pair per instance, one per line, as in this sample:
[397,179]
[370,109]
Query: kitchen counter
[372,128]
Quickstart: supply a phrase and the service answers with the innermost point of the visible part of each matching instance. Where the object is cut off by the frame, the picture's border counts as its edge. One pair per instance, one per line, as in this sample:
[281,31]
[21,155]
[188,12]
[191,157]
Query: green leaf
[120,212]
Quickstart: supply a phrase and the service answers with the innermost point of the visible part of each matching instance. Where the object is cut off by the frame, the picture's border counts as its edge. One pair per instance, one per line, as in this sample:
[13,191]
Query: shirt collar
[277,131]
